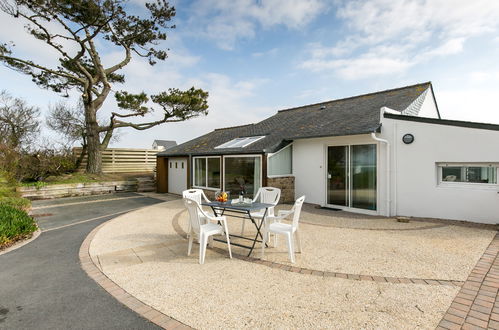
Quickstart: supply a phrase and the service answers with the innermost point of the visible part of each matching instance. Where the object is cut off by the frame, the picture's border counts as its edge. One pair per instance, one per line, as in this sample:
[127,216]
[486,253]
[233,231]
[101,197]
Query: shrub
[37,165]
[14,224]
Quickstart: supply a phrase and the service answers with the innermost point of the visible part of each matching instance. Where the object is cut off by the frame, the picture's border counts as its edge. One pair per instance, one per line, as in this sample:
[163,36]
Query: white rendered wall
[429,107]
[415,187]
[309,167]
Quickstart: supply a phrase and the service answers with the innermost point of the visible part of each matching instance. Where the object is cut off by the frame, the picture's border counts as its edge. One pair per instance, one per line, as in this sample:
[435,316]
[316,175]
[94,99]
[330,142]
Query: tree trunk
[79,160]
[94,159]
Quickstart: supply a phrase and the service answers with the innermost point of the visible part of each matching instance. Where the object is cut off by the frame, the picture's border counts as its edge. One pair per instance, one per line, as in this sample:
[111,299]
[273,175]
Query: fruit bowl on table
[222,196]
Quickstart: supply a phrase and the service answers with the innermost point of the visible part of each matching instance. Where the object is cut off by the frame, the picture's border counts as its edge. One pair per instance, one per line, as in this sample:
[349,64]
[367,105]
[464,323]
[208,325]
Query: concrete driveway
[42,285]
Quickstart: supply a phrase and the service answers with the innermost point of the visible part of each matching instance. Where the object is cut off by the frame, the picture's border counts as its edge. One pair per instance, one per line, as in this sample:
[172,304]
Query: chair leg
[191,239]
[202,248]
[228,244]
[298,242]
[226,232]
[211,241]
[290,247]
[264,240]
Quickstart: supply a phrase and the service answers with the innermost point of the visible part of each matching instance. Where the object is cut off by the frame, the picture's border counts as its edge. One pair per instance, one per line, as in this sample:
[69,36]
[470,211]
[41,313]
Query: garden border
[21,243]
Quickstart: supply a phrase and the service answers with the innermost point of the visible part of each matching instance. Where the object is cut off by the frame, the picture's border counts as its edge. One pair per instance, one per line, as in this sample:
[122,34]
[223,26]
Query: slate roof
[348,116]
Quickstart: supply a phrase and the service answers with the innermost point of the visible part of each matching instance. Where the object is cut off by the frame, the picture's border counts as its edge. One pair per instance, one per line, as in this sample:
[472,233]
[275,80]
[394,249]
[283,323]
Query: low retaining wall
[77,189]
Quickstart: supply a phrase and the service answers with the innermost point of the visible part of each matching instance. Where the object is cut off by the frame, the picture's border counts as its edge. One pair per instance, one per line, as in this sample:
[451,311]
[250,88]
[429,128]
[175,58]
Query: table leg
[258,232]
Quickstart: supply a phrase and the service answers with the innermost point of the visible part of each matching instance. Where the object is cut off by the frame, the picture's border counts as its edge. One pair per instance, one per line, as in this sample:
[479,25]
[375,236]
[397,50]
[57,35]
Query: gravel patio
[354,271]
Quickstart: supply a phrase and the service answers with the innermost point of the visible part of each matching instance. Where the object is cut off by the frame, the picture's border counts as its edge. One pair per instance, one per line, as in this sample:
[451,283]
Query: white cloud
[381,60]
[398,34]
[268,53]
[490,78]
[471,104]
[450,47]
[226,21]
[13,29]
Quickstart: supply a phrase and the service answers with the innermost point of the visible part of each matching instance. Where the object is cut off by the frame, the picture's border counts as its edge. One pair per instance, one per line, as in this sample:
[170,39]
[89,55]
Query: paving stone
[477,322]
[454,319]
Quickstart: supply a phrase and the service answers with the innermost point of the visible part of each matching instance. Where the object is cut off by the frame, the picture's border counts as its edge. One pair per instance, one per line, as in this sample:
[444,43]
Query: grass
[15,223]
[9,195]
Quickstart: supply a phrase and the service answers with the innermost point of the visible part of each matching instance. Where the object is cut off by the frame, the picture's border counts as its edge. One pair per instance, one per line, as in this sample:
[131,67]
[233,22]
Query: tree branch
[31,64]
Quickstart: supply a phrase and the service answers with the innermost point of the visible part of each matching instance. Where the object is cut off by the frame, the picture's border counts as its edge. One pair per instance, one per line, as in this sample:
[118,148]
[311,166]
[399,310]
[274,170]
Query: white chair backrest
[269,195]
[297,210]
[194,213]
[194,194]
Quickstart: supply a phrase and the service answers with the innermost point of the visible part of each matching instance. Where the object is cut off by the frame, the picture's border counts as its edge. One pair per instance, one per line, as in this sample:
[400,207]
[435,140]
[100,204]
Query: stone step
[150,189]
[145,179]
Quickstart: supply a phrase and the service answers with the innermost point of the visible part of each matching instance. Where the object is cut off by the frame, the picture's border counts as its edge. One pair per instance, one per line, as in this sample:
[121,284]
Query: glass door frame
[349,178]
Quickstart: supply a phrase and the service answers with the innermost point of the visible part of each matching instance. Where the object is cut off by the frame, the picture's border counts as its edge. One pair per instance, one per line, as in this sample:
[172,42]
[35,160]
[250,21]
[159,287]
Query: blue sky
[255,57]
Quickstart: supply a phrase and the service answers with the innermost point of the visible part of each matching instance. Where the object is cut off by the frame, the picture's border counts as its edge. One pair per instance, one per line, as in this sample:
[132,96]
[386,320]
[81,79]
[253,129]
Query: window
[240,142]
[281,162]
[207,172]
[242,173]
[467,173]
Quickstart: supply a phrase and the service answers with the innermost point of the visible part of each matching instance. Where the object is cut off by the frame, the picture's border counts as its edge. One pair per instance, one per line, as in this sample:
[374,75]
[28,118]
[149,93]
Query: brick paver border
[476,306]
[355,277]
[144,310]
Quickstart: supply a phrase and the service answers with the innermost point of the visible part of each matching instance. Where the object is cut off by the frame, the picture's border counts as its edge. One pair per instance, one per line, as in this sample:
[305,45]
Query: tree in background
[19,124]
[78,31]
[24,155]
[69,121]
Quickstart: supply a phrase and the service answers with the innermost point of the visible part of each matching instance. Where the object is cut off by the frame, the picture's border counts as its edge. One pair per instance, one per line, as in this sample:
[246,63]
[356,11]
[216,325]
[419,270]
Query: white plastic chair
[204,230]
[273,225]
[269,195]
[197,195]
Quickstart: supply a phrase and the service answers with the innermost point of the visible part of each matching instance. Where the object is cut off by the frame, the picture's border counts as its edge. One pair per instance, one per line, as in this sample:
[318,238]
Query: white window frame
[241,156]
[268,163]
[469,185]
[229,144]
[206,174]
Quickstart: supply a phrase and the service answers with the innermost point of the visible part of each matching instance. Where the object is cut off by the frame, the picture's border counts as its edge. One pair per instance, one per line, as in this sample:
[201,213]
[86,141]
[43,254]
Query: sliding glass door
[351,177]
[337,183]
[363,176]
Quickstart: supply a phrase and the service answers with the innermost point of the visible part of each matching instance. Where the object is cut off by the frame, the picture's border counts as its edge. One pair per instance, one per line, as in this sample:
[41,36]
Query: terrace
[354,271]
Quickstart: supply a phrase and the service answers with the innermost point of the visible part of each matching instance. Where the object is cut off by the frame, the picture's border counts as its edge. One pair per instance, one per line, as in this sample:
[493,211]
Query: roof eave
[447,122]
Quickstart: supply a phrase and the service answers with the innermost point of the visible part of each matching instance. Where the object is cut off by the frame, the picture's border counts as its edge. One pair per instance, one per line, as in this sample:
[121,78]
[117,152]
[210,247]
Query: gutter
[388,181]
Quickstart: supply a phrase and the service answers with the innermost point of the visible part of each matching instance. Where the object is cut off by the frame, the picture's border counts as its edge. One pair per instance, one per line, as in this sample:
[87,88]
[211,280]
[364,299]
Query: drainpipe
[388,193]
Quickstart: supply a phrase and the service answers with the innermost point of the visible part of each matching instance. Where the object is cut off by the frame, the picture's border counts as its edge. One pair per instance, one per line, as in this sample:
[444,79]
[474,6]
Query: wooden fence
[122,160]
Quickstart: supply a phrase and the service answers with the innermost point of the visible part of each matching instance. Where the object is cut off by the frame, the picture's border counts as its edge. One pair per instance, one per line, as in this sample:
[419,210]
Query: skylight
[240,142]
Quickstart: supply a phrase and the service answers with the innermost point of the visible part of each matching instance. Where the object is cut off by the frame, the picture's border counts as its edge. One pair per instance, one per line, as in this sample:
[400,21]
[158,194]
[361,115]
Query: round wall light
[408,138]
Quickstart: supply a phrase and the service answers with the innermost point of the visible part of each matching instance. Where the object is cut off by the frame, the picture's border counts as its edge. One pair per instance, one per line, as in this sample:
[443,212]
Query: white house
[163,144]
[385,153]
